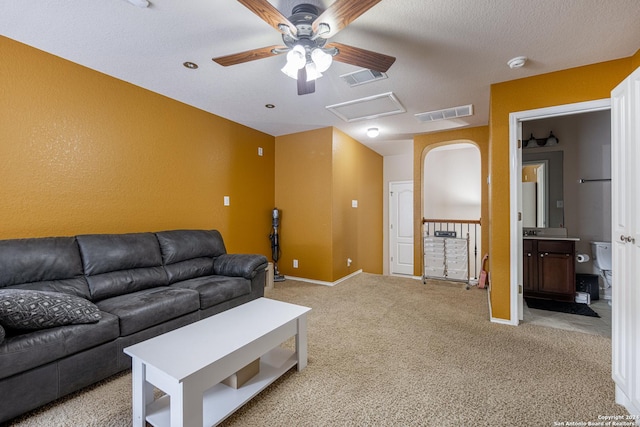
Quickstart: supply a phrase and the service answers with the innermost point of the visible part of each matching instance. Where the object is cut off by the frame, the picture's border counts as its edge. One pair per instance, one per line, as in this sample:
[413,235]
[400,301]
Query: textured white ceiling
[448,53]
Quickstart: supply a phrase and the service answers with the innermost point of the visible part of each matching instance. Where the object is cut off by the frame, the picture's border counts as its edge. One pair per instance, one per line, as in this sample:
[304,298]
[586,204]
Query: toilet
[601,252]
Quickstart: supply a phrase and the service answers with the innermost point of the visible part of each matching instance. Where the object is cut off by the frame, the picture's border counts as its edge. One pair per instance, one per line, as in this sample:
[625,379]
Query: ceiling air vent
[362,76]
[446,114]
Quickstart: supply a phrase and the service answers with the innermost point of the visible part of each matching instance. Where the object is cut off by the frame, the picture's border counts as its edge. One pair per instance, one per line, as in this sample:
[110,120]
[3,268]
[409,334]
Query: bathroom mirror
[543,207]
[535,187]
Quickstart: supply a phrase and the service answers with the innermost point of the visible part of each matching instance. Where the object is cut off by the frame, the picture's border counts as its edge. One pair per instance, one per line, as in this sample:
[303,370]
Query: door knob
[627,239]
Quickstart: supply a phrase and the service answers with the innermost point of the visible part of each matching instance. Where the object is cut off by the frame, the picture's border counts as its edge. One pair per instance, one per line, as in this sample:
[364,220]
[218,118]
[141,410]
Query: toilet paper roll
[582,258]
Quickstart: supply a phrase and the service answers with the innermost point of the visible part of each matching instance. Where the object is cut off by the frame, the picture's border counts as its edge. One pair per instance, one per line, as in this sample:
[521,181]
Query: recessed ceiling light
[270,106]
[517,62]
[190,65]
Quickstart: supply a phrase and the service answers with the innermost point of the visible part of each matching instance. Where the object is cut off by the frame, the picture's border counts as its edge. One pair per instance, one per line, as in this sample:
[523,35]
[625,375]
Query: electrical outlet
[349,261]
[295,263]
[259,151]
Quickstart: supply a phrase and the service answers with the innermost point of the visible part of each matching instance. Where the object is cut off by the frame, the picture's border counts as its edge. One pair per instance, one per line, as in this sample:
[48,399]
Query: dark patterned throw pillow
[26,309]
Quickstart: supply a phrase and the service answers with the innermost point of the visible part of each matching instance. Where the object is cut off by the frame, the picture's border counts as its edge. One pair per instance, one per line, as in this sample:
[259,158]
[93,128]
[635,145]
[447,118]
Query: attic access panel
[371,107]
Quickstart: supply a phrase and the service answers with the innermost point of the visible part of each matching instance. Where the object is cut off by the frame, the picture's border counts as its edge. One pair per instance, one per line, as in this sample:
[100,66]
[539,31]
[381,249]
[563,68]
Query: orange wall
[303,194]
[635,60]
[81,152]
[357,232]
[422,144]
[580,84]
[318,174]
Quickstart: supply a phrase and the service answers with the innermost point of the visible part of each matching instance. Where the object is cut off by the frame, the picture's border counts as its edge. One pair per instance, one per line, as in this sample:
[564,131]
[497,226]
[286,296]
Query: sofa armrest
[239,265]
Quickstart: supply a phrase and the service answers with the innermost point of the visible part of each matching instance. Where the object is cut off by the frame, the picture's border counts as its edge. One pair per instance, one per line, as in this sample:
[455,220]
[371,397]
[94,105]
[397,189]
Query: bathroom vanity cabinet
[548,268]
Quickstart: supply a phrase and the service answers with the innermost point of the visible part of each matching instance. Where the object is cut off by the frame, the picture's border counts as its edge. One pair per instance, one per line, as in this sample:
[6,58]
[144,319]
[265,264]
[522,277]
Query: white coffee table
[189,363]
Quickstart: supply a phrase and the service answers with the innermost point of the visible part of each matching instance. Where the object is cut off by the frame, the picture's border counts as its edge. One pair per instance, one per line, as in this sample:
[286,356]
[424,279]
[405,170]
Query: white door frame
[515,180]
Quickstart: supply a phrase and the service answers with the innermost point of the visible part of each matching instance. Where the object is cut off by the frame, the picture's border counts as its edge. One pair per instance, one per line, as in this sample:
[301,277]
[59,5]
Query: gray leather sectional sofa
[138,285]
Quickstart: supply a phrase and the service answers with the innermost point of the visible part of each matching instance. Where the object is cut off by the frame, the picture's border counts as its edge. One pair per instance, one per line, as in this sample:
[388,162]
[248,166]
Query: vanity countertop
[575,239]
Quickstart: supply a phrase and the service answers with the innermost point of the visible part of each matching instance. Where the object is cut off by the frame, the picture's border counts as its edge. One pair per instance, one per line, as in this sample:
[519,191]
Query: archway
[452,190]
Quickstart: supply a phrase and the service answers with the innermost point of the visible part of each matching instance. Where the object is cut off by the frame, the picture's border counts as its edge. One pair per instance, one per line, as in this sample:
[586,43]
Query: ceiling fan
[305,35]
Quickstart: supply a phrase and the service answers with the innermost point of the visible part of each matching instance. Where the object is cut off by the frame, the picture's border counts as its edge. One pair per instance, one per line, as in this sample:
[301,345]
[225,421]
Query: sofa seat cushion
[143,309]
[216,289]
[25,309]
[21,350]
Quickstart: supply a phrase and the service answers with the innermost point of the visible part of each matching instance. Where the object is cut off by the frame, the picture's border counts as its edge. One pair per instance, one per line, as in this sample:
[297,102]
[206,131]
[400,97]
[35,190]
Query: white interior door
[625,212]
[401,227]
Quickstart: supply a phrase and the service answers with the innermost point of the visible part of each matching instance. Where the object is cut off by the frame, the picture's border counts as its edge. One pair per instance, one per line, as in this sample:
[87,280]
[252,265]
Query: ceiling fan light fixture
[290,70]
[304,31]
[312,72]
[321,59]
[297,57]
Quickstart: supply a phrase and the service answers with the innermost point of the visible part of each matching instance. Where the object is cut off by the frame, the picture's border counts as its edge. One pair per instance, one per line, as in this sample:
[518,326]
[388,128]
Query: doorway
[452,190]
[515,152]
[401,227]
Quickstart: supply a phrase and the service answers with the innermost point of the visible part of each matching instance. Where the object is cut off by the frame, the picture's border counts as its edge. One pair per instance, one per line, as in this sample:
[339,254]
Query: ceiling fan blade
[304,86]
[268,13]
[341,13]
[249,55]
[362,57]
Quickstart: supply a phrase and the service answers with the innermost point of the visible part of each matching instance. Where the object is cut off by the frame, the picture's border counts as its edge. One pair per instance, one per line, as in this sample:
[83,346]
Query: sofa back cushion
[45,264]
[187,254]
[118,264]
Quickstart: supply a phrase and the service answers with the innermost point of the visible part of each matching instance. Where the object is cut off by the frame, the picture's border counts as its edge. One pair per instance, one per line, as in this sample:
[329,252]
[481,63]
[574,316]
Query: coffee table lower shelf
[220,401]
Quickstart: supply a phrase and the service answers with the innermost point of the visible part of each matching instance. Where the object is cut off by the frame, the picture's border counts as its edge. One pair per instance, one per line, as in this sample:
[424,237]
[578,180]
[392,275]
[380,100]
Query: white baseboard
[408,276]
[319,282]
[502,321]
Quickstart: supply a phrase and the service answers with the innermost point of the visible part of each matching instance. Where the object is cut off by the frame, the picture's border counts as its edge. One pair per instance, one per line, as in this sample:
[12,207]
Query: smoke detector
[517,62]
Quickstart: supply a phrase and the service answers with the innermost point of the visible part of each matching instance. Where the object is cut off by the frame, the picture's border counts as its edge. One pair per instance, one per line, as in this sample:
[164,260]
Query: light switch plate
[226,201]
[354,203]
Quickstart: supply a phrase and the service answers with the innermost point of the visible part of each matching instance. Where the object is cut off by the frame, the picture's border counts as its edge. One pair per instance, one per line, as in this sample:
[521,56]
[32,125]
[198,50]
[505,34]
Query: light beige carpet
[387,351]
